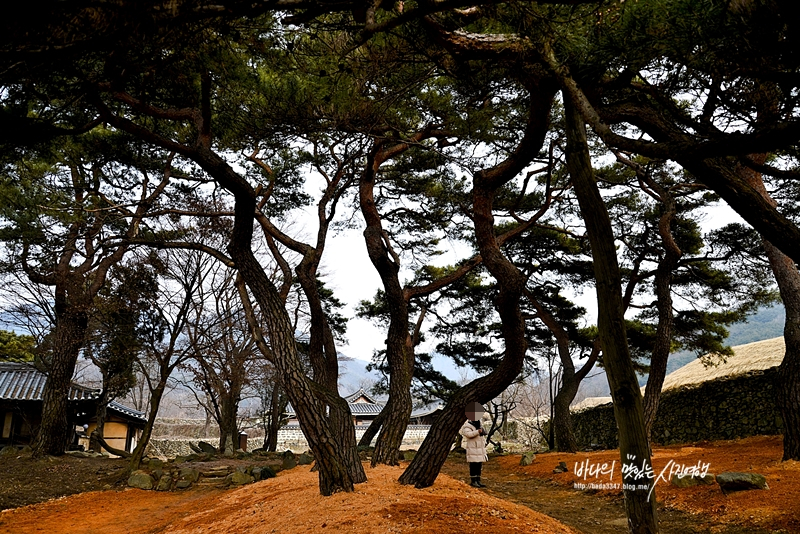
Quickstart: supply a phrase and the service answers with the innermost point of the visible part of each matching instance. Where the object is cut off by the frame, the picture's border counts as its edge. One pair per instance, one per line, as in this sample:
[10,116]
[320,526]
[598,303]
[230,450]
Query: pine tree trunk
[663,288]
[399,348]
[640,505]
[788,279]
[274,419]
[375,426]
[138,453]
[70,331]
[100,417]
[228,428]
[424,468]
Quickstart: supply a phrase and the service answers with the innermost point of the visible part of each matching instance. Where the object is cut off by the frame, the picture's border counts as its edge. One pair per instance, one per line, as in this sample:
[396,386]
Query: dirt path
[584,511]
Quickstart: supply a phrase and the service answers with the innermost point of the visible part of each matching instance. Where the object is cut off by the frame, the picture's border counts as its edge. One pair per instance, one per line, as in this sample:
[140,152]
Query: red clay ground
[775,509]
[291,504]
[288,504]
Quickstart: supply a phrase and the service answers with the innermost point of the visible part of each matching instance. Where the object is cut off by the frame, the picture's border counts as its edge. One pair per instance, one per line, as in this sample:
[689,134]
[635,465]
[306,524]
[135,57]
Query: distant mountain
[353,373]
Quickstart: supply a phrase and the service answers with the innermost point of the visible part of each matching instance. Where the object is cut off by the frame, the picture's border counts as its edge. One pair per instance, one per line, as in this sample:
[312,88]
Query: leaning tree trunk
[70,331]
[399,348]
[138,453]
[640,505]
[663,287]
[787,388]
[425,467]
[375,426]
[100,416]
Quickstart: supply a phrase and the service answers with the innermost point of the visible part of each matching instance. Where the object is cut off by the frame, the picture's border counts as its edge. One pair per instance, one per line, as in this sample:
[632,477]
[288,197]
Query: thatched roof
[748,358]
[757,356]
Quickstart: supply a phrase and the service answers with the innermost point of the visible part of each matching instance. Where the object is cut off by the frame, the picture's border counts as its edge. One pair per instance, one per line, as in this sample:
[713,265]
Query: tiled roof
[363,408]
[360,393]
[130,412]
[428,409]
[22,381]
[356,408]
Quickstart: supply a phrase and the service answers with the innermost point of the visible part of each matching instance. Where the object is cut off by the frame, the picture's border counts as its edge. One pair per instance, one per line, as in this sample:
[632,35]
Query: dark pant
[475,469]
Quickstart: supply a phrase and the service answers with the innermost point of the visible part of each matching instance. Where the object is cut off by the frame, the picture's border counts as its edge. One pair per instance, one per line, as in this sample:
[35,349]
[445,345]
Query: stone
[218,472]
[240,478]
[183,484]
[26,450]
[306,459]
[164,483]
[157,473]
[76,454]
[195,448]
[207,448]
[155,463]
[267,472]
[689,481]
[561,468]
[9,450]
[527,458]
[189,473]
[733,481]
[289,460]
[256,473]
[141,480]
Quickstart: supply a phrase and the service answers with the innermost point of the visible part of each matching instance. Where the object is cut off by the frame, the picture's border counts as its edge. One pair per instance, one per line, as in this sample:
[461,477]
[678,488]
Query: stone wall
[289,437]
[721,409]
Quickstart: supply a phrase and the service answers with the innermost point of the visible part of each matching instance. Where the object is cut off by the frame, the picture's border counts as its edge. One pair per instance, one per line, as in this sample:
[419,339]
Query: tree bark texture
[425,466]
[788,278]
[155,401]
[100,416]
[399,346]
[310,400]
[663,289]
[640,505]
[276,407]
[70,332]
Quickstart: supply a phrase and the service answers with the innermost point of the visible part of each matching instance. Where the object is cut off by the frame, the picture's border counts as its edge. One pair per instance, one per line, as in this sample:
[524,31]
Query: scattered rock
[183,484]
[189,473]
[409,455]
[527,458]
[207,448]
[240,478]
[26,449]
[561,468]
[267,472]
[155,463]
[9,450]
[305,459]
[689,481]
[141,480]
[76,454]
[164,483]
[289,460]
[733,481]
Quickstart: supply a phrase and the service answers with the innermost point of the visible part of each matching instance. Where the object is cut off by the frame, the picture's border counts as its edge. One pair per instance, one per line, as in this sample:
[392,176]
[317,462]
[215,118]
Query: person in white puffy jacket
[474,443]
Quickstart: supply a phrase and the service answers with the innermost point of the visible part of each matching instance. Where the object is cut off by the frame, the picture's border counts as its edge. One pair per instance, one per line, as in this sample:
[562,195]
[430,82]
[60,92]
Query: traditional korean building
[21,387]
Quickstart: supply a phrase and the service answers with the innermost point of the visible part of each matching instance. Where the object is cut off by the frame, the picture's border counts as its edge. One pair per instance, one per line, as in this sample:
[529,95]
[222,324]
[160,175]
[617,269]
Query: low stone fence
[716,410]
[290,437]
